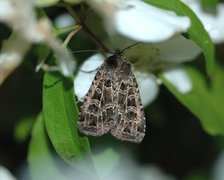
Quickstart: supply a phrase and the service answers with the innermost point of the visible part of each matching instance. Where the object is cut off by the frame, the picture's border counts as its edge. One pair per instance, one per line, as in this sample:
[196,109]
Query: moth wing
[130,125]
[96,114]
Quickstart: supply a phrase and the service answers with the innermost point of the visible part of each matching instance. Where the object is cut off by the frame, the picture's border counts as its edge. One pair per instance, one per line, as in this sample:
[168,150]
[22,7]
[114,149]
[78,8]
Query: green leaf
[43,53]
[196,32]
[205,101]
[41,162]
[73,1]
[23,127]
[66,30]
[209,3]
[60,116]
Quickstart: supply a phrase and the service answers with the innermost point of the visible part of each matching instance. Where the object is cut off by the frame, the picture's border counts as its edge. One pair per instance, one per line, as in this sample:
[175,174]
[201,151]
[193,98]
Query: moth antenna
[122,51]
[89,50]
[94,70]
[98,51]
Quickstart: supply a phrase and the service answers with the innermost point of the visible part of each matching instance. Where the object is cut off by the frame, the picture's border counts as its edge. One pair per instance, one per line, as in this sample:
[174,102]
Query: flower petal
[154,56]
[139,21]
[212,21]
[5,174]
[179,78]
[20,16]
[142,22]
[178,49]
[148,87]
[86,75]
[64,58]
[65,62]
[218,173]
[12,54]
[92,63]
[64,20]
[6,10]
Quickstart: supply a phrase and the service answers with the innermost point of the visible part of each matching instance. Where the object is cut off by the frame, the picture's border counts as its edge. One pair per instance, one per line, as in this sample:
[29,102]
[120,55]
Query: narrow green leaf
[41,162]
[43,53]
[60,116]
[66,30]
[73,1]
[203,40]
[205,101]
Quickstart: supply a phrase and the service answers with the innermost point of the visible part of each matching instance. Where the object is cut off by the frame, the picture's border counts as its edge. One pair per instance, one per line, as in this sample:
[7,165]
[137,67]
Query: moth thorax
[125,68]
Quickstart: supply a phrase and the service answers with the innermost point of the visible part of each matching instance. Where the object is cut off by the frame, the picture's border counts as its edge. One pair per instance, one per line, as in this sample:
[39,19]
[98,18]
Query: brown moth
[113,103]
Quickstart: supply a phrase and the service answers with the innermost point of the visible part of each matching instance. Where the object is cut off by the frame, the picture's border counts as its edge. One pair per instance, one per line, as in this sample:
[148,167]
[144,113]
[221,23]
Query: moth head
[112,61]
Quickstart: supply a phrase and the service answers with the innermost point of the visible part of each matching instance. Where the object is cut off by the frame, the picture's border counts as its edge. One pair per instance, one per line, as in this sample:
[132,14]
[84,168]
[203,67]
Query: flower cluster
[163,47]
[20,16]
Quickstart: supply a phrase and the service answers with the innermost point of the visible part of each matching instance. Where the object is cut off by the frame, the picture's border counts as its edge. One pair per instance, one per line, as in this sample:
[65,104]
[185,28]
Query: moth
[113,103]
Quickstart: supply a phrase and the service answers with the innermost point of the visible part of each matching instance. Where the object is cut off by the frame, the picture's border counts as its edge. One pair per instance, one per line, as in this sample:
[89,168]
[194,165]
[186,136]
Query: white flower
[135,20]
[212,21]
[138,20]
[218,173]
[148,58]
[105,164]
[179,79]
[109,166]
[64,20]
[5,174]
[26,29]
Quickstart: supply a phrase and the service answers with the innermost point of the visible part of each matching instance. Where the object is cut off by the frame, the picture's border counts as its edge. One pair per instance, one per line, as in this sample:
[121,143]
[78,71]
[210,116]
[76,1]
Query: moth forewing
[113,103]
[130,125]
[92,115]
